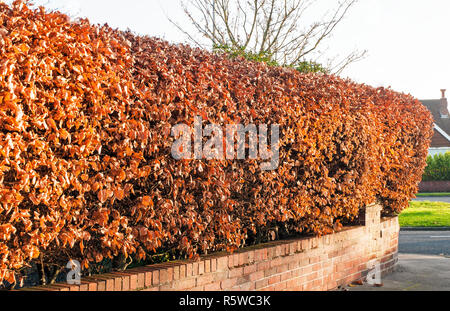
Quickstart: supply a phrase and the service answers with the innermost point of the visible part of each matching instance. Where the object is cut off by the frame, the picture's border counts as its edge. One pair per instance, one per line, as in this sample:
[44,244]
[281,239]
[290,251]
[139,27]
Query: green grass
[426,214]
[433,194]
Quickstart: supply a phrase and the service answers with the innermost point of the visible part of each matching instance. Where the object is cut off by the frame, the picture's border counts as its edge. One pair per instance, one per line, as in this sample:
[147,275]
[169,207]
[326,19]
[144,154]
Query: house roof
[433,105]
[440,138]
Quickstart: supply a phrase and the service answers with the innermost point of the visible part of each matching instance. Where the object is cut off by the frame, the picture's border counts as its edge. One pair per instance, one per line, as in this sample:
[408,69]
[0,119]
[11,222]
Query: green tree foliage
[265,57]
[438,167]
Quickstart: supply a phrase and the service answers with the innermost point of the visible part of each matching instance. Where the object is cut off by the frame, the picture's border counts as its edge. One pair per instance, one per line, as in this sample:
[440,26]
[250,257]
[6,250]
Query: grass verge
[426,214]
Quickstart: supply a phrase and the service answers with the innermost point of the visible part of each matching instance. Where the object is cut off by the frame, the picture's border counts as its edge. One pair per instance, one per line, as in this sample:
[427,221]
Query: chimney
[443,110]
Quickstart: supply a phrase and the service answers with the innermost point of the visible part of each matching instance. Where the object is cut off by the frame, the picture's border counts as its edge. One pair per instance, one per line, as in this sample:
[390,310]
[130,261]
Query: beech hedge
[86,170]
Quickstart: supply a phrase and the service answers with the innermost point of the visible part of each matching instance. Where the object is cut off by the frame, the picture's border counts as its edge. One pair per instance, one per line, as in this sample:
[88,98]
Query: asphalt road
[425,242]
[433,199]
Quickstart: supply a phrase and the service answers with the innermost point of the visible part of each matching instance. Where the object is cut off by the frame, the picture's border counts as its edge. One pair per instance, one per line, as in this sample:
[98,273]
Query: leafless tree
[272,27]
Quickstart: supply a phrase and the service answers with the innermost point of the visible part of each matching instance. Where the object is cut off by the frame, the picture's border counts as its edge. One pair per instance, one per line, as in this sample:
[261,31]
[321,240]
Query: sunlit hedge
[86,170]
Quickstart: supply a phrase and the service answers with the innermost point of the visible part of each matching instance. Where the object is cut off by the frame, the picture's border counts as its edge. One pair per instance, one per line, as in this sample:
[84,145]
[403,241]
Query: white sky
[408,41]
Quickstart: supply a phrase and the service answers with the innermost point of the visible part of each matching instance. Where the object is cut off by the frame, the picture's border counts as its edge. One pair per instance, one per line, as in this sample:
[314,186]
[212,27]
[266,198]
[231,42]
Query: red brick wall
[439,140]
[315,263]
[434,186]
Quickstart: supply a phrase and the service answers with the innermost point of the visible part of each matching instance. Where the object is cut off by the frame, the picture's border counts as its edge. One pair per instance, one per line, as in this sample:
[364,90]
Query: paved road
[433,199]
[425,242]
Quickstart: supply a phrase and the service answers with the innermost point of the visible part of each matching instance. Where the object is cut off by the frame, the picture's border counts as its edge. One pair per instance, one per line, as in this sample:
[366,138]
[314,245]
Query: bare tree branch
[269,27]
[353,57]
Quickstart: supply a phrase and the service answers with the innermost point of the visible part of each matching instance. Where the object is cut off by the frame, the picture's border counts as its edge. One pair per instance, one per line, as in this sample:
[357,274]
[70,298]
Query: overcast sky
[408,41]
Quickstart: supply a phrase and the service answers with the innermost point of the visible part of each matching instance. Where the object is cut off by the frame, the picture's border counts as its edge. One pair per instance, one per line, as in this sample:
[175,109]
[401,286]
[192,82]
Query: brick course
[315,263]
[434,186]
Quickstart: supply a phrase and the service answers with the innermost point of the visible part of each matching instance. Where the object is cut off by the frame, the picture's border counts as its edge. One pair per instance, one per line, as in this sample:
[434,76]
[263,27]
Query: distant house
[439,109]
